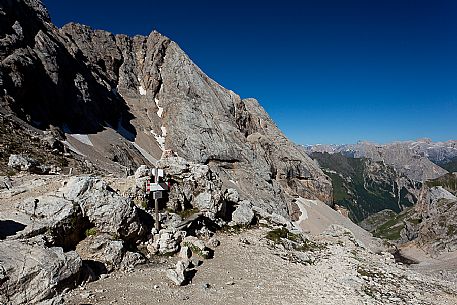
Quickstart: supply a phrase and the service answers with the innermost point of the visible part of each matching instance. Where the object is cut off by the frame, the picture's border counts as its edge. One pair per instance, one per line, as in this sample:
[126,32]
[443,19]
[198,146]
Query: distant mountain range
[403,191]
[369,177]
[419,160]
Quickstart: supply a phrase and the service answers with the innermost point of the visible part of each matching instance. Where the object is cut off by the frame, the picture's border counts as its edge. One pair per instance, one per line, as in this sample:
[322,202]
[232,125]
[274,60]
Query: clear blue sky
[327,71]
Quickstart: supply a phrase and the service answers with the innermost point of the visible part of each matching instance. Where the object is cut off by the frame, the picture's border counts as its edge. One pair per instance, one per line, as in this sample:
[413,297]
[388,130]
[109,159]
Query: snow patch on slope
[160,140]
[160,111]
[302,204]
[142,90]
[83,138]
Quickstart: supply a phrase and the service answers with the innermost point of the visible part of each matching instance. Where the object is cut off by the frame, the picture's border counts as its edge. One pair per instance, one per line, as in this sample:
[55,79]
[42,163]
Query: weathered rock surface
[102,248]
[243,214]
[177,275]
[193,186]
[24,163]
[33,273]
[60,219]
[167,241]
[107,210]
[432,223]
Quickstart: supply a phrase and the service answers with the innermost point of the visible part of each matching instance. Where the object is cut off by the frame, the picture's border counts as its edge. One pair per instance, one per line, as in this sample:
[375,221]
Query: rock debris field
[248,268]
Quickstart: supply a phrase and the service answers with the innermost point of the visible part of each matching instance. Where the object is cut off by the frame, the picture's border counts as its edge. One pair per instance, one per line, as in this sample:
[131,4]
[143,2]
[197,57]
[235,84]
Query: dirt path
[245,270]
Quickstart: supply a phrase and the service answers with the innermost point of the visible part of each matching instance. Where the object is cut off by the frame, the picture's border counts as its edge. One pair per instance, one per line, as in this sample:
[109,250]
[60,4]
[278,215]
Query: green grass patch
[298,242]
[448,181]
[197,250]
[187,212]
[276,235]
[391,229]
[90,232]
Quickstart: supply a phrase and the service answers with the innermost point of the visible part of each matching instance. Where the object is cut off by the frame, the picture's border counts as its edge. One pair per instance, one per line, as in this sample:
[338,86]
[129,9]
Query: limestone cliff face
[142,96]
[432,222]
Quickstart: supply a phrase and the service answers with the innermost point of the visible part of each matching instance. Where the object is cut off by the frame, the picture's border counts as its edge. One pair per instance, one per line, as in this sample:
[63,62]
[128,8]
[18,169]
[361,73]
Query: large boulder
[33,273]
[104,249]
[25,163]
[60,219]
[166,241]
[21,162]
[243,214]
[197,246]
[193,186]
[106,209]
[177,275]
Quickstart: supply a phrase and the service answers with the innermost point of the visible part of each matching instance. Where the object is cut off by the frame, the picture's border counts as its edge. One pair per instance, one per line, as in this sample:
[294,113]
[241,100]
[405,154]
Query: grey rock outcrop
[82,203]
[432,223]
[33,273]
[24,163]
[107,210]
[102,248]
[243,214]
[166,241]
[193,185]
[60,219]
[103,253]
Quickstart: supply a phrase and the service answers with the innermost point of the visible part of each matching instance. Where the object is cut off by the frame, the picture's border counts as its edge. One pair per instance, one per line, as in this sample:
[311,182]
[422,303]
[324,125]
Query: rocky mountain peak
[122,101]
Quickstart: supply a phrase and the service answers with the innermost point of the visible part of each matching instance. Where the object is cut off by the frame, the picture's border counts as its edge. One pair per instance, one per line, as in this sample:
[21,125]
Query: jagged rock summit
[123,101]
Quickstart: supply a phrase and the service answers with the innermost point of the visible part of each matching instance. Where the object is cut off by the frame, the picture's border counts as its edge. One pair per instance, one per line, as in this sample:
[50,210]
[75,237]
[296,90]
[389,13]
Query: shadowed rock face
[150,92]
[42,82]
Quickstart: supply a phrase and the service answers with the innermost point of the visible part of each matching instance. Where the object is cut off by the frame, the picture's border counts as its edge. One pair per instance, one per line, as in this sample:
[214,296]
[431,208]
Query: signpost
[156,187]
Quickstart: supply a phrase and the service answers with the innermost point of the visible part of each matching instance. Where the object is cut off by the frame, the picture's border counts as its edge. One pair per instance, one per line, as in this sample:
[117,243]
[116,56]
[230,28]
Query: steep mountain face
[365,187]
[430,224]
[124,101]
[449,165]
[416,159]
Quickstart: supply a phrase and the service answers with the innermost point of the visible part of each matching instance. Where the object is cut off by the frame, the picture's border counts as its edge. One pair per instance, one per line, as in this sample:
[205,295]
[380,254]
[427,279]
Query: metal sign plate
[157,195]
[162,186]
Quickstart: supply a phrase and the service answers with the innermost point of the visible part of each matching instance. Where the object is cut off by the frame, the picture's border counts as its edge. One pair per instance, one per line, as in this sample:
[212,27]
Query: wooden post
[156,200]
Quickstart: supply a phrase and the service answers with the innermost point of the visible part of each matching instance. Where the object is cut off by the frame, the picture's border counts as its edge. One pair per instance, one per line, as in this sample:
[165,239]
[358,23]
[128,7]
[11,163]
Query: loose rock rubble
[250,268]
